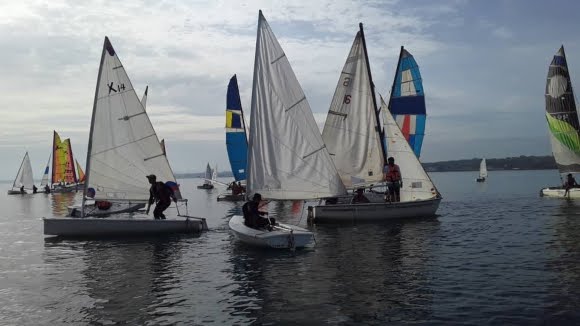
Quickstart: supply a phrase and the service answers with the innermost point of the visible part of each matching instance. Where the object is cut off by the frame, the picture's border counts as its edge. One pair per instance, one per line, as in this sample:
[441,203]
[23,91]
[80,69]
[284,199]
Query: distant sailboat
[563,125]
[45,187]
[482,171]
[287,159]
[64,176]
[407,102]
[207,184]
[236,141]
[123,150]
[80,173]
[24,178]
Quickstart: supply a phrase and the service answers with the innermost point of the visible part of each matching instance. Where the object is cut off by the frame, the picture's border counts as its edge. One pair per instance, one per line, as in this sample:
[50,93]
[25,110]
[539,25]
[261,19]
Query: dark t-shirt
[160,192]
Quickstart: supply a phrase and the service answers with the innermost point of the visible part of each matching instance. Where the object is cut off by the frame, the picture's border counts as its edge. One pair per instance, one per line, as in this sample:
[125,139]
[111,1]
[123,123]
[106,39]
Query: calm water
[496,254]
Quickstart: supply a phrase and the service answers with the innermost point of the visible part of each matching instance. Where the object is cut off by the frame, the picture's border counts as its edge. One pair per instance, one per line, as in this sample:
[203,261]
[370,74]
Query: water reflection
[60,202]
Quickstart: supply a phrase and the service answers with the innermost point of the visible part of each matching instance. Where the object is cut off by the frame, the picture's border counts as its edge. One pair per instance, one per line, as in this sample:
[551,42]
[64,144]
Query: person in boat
[34,189]
[22,190]
[359,197]
[242,188]
[46,189]
[569,183]
[253,217]
[160,194]
[235,189]
[392,175]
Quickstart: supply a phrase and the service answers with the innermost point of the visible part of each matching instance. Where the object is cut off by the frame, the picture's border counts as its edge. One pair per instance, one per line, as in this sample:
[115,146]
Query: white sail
[208,174]
[123,146]
[24,176]
[482,169]
[350,132]
[144,98]
[45,175]
[287,158]
[416,183]
[214,173]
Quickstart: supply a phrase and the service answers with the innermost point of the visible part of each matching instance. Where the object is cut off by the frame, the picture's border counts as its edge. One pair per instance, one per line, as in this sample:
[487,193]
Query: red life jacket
[394,173]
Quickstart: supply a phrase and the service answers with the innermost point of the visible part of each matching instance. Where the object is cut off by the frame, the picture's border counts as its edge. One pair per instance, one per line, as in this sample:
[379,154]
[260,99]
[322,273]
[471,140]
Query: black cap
[257,196]
[152,176]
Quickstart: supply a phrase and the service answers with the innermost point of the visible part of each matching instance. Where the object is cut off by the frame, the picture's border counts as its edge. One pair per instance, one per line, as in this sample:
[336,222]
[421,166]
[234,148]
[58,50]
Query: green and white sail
[562,115]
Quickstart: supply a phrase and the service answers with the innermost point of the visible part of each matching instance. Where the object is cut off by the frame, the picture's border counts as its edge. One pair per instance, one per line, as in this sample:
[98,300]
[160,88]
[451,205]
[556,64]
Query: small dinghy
[482,171]
[282,236]
[207,184]
[23,178]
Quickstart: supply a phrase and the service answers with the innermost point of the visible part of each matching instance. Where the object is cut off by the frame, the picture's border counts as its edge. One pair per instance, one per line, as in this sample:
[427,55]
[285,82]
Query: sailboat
[24,179]
[407,102]
[287,159]
[236,141]
[482,171]
[64,176]
[563,126]
[356,142]
[207,178]
[80,173]
[123,149]
[44,186]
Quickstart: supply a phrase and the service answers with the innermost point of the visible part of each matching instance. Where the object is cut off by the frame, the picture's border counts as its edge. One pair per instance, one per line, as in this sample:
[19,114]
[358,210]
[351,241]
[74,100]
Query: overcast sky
[483,63]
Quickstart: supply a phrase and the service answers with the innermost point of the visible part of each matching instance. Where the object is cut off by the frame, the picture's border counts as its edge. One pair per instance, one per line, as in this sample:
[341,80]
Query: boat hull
[62,189]
[205,186]
[92,210]
[283,237]
[231,197]
[480,179]
[558,192]
[16,192]
[109,227]
[374,211]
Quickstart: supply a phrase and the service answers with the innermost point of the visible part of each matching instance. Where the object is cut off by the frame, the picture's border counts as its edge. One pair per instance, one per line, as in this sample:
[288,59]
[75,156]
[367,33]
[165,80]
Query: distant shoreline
[494,164]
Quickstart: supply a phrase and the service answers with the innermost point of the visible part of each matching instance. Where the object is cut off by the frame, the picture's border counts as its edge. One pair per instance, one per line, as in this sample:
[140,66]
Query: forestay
[350,132]
[287,158]
[24,175]
[416,183]
[562,116]
[123,146]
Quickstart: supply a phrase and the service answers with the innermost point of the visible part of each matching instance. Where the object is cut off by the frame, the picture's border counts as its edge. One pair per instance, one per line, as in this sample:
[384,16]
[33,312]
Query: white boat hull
[558,192]
[283,236]
[108,227]
[116,208]
[374,211]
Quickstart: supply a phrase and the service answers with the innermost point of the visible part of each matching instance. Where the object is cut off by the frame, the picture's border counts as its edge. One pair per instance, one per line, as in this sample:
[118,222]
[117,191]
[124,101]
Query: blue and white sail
[236,141]
[407,102]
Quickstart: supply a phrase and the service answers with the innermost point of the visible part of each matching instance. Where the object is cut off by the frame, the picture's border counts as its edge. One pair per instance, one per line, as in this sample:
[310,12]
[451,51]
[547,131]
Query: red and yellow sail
[63,169]
[80,172]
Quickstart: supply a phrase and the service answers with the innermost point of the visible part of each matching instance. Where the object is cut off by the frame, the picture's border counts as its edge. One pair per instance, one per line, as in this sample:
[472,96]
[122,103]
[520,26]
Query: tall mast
[377,113]
[90,146]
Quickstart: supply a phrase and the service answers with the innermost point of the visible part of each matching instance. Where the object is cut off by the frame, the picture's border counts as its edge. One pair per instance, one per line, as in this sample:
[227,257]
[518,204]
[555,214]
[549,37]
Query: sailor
[161,195]
[253,217]
[359,197]
[570,183]
[46,189]
[34,189]
[392,175]
[22,190]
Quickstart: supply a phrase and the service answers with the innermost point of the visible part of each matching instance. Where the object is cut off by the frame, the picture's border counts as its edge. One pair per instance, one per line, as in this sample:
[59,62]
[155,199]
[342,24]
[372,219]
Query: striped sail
[236,141]
[562,116]
[81,173]
[407,103]
[62,164]
[70,171]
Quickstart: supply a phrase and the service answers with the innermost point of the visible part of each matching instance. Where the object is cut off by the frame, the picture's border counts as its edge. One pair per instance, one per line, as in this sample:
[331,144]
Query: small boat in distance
[207,178]
[24,179]
[482,171]
[563,125]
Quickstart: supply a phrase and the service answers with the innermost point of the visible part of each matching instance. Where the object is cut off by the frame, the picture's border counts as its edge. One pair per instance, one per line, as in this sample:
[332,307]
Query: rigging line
[280,57]
[295,104]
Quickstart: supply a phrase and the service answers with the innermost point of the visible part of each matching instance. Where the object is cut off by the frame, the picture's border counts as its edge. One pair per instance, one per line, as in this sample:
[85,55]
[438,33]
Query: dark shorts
[394,188]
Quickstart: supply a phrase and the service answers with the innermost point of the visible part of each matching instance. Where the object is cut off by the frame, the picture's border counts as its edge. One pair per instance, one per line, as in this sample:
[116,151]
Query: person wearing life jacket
[160,194]
[253,217]
[392,176]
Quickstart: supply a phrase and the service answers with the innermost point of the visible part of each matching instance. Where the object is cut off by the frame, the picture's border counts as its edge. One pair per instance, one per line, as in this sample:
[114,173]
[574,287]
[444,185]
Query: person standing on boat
[253,217]
[34,189]
[392,175]
[161,195]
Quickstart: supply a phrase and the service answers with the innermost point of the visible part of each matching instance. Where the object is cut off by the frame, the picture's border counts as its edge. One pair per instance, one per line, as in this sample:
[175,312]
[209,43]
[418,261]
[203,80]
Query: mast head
[146,89]
[109,47]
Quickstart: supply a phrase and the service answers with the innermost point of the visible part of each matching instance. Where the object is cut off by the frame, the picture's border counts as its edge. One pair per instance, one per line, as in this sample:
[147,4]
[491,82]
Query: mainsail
[350,132]
[287,158]
[62,164]
[45,176]
[123,146]
[80,172]
[236,141]
[24,175]
[562,116]
[416,182]
[407,102]
[208,174]
[483,169]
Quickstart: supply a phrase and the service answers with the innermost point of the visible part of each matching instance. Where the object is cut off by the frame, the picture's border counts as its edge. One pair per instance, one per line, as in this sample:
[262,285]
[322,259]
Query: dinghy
[353,136]
[64,178]
[287,159]
[23,178]
[207,178]
[123,149]
[482,171]
[236,141]
[564,129]
[44,186]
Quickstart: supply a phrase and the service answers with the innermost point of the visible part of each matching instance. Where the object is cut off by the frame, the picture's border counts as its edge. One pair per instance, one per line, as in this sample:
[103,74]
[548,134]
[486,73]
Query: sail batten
[280,139]
[236,141]
[562,115]
[122,152]
[350,131]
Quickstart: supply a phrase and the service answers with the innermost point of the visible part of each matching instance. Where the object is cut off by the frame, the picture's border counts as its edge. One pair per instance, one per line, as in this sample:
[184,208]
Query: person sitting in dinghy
[253,217]
[570,183]
[360,198]
[161,194]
